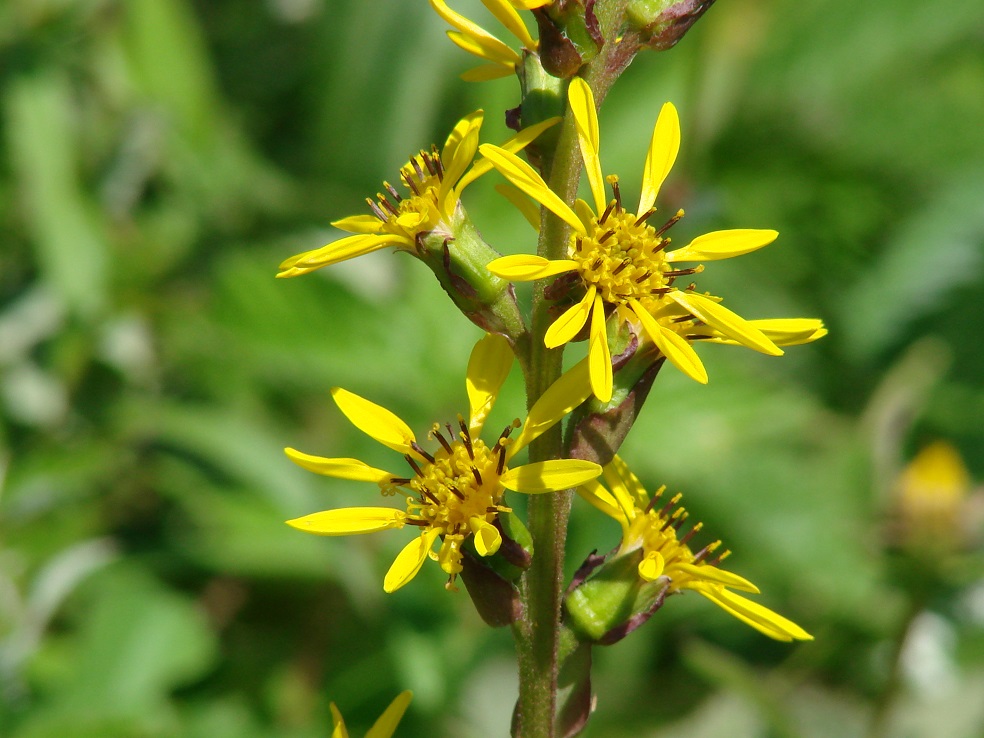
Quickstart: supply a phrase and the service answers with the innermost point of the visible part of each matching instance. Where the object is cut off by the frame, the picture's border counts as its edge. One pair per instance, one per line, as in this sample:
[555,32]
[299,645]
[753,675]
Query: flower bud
[659,24]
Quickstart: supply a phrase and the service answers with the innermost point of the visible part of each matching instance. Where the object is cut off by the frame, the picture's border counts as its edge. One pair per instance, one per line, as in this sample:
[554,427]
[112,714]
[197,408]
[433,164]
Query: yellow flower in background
[653,530]
[384,726]
[934,507]
[457,491]
[433,183]
[623,263]
[501,59]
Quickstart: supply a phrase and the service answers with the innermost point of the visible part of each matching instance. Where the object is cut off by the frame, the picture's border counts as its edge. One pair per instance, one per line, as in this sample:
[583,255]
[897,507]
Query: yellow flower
[384,726]
[457,491]
[623,263]
[652,530]
[501,59]
[433,182]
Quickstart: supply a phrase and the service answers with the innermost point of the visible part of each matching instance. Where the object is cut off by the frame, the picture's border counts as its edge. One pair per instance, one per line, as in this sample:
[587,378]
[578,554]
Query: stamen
[645,275]
[413,465]
[605,236]
[376,210]
[645,216]
[430,496]
[410,183]
[577,244]
[400,481]
[387,204]
[691,533]
[466,438]
[456,492]
[429,162]
[613,181]
[682,272]
[620,267]
[416,164]
[670,223]
[392,190]
[417,447]
[478,477]
[438,164]
[420,523]
[436,434]
[608,211]
[500,464]
[597,263]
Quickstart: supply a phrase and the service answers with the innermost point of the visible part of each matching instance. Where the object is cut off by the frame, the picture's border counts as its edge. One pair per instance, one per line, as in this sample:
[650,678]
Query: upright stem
[542,586]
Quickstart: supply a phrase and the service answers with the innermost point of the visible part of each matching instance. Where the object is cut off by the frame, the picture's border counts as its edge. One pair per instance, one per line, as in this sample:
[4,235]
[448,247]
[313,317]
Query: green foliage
[160,157]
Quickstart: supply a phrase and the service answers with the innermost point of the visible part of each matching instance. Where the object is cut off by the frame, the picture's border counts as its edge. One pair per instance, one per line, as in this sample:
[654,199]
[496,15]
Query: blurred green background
[161,157]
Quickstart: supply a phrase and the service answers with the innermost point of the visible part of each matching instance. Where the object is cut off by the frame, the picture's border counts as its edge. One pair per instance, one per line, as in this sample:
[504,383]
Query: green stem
[537,633]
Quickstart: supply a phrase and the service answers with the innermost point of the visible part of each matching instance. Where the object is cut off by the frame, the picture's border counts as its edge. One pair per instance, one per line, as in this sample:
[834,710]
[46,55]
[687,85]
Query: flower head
[501,59]
[384,726]
[455,492]
[651,531]
[621,265]
[432,182]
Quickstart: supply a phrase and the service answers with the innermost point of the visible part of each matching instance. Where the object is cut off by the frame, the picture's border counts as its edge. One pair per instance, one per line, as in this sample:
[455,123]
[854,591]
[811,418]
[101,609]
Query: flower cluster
[609,276]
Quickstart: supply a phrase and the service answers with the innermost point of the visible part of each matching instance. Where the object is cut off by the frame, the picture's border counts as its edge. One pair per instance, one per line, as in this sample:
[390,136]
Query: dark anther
[466,438]
[450,430]
[608,211]
[719,558]
[429,161]
[421,523]
[413,465]
[456,492]
[660,291]
[436,433]
[491,509]
[618,194]
[597,263]
[577,244]
[643,277]
[679,272]
[501,462]
[387,204]
[669,224]
[416,164]
[478,477]
[376,210]
[620,267]
[605,236]
[690,534]
[645,216]
[392,190]
[417,447]
[410,183]
[699,556]
[430,496]
[400,481]
[438,164]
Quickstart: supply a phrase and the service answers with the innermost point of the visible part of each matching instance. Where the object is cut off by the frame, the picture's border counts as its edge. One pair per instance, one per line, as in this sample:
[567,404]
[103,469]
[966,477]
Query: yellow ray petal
[375,421]
[586,121]
[487,72]
[457,155]
[729,323]
[570,322]
[340,250]
[488,367]
[713,574]
[781,331]
[480,38]
[513,145]
[526,268]
[487,537]
[662,153]
[626,488]
[602,499]
[338,468]
[759,617]
[522,203]
[409,560]
[723,245]
[526,178]
[570,390]
[387,722]
[506,14]
[673,346]
[340,730]
[359,224]
[350,521]
[599,355]
[549,476]
[651,568]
